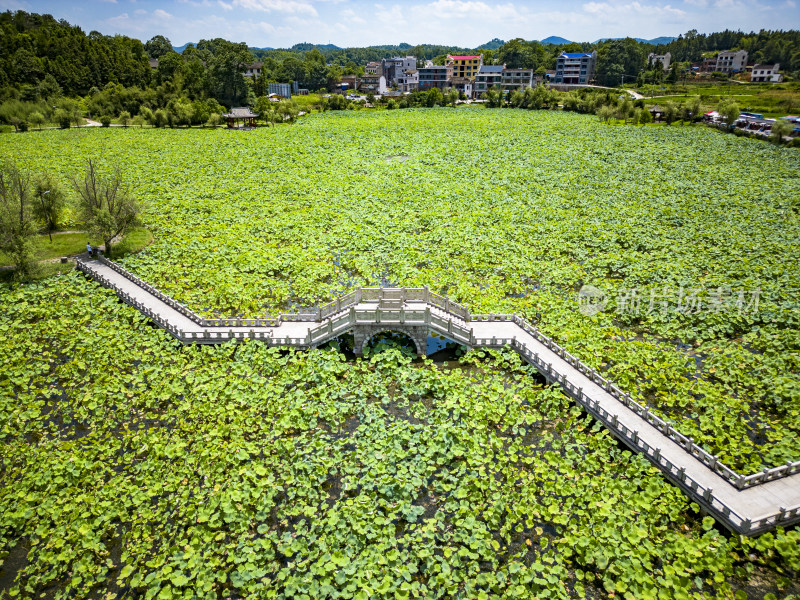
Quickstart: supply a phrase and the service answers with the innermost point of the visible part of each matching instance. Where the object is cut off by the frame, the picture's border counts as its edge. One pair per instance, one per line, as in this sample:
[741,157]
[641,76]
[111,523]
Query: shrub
[105,120]
[22,126]
[124,118]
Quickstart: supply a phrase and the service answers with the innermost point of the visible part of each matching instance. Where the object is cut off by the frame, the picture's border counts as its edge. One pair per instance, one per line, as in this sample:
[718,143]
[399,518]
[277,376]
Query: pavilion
[241,113]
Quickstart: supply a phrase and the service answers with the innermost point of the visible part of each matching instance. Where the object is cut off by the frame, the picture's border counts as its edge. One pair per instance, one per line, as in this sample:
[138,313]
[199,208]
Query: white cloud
[161,14]
[279,6]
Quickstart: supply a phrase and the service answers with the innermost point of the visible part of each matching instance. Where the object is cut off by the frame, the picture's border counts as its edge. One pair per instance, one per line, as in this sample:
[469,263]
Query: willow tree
[108,207]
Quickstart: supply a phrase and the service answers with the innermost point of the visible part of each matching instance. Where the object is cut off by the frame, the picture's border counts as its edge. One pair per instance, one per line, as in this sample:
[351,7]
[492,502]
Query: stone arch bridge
[747,504]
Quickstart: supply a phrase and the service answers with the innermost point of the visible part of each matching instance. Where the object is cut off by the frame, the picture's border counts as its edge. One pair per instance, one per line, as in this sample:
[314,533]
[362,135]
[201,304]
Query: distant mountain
[555,40]
[659,41]
[493,45]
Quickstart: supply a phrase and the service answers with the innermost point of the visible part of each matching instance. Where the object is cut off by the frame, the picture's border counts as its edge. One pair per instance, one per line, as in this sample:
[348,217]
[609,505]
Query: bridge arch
[364,334]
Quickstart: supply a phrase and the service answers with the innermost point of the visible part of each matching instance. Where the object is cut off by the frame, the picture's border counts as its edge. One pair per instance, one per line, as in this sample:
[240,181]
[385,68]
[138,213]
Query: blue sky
[281,23]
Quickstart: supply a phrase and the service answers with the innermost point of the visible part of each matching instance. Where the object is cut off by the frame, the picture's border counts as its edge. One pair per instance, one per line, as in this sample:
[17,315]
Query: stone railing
[675,473]
[342,314]
[169,301]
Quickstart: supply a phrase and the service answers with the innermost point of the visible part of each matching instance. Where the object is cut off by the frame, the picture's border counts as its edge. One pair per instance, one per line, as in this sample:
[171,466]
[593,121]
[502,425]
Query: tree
[779,130]
[226,65]
[108,207]
[605,113]
[147,115]
[17,225]
[124,118]
[691,110]
[48,201]
[61,117]
[36,118]
[618,60]
[729,111]
[451,96]
[670,112]
[160,118]
[158,46]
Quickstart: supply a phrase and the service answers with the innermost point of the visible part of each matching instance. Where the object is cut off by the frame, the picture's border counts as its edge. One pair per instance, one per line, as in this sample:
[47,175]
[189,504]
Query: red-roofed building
[465,66]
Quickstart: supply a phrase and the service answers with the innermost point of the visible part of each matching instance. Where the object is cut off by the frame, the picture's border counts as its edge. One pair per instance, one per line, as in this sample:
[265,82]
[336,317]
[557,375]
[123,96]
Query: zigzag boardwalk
[749,504]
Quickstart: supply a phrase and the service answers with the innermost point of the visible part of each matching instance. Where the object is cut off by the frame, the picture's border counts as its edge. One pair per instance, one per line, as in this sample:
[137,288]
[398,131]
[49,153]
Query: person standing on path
[88,247]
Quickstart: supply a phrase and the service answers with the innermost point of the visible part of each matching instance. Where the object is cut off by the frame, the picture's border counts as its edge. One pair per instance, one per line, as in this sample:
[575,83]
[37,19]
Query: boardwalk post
[427,315]
[426,294]
[402,315]
[353,314]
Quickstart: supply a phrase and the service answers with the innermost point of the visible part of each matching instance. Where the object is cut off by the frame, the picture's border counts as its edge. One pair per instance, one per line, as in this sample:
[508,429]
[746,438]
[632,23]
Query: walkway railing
[344,313]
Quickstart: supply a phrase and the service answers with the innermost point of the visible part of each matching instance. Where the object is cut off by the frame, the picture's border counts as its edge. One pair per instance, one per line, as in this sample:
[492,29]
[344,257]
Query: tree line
[53,72]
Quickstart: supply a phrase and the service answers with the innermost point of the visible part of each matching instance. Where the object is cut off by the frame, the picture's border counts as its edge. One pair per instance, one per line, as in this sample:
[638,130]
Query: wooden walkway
[747,504]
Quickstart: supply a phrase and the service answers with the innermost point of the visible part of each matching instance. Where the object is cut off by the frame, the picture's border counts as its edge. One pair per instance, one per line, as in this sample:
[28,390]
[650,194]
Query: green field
[138,467]
[771,100]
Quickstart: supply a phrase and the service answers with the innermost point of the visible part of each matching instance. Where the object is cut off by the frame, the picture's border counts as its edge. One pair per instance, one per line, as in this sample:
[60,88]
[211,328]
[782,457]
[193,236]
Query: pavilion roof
[240,112]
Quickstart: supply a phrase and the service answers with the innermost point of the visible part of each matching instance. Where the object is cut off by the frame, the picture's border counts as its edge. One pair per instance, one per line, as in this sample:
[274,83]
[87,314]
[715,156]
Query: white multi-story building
[488,76]
[731,61]
[575,68]
[664,59]
[517,79]
[766,73]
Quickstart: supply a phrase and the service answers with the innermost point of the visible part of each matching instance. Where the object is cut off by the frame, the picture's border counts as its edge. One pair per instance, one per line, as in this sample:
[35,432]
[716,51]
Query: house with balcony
[372,83]
[394,68]
[434,76]
[408,80]
[488,76]
[517,79]
[373,68]
[463,85]
[466,67]
[730,61]
[575,68]
[766,73]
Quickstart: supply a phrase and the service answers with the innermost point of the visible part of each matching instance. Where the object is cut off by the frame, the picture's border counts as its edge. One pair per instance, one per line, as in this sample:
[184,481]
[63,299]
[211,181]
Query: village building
[465,66]
[664,59]
[434,76]
[487,77]
[517,79]
[766,73]
[731,61]
[254,70]
[575,68]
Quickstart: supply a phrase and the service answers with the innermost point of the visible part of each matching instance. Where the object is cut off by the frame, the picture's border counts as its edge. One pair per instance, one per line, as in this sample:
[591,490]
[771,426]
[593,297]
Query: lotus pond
[134,467]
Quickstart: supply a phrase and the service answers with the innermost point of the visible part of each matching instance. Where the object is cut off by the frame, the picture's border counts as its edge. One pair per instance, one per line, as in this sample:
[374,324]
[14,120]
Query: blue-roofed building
[575,68]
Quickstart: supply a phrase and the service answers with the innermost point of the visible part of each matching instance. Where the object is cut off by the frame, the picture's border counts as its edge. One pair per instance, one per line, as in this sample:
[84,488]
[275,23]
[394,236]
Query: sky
[466,23]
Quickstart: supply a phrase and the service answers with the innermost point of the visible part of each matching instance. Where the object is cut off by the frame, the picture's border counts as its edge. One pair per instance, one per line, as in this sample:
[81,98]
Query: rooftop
[463,57]
[576,54]
[491,69]
[240,112]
